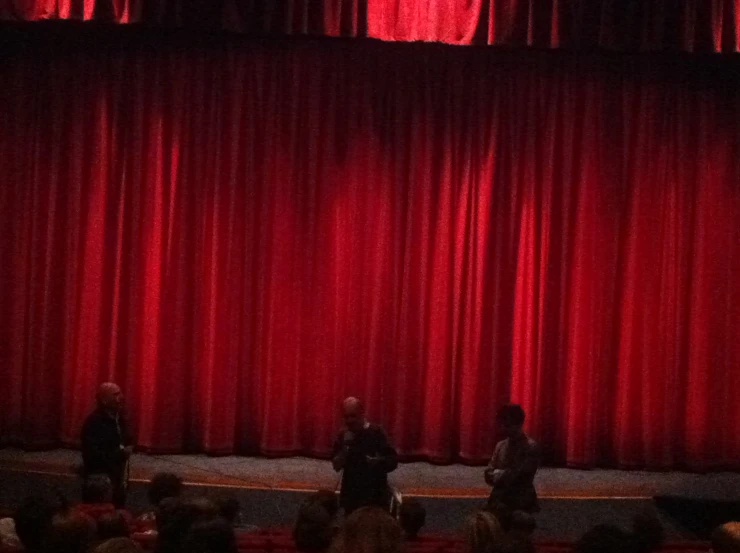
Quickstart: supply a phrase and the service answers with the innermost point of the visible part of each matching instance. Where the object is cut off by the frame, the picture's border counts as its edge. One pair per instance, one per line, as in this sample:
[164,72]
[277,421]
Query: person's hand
[488,476]
[127,451]
[497,475]
[349,437]
[374,460]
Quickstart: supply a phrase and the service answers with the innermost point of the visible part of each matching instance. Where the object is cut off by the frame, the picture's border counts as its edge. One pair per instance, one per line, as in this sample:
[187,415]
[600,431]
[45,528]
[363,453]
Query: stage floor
[417,479]
[270,490]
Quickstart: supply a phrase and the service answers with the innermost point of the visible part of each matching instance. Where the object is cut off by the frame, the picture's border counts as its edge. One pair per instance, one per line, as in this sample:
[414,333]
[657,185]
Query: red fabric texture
[242,234]
[625,25]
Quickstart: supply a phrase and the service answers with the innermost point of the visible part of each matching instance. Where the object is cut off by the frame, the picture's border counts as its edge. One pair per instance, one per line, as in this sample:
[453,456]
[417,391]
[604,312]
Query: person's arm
[491,469]
[388,454]
[126,439]
[386,457]
[524,472]
[340,451]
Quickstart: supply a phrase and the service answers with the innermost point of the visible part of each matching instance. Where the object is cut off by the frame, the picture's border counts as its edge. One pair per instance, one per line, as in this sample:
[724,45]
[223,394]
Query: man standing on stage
[106,445]
[362,450]
[514,464]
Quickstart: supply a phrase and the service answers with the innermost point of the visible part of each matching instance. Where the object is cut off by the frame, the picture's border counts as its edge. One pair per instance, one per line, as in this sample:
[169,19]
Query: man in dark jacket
[363,451]
[514,464]
[106,444]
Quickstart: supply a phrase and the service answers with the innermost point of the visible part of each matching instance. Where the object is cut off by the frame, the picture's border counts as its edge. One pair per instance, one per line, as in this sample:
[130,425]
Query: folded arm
[524,472]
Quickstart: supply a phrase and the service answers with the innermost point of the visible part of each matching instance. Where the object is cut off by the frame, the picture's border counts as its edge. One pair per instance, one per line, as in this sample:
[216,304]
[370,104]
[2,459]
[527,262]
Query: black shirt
[103,439]
[362,483]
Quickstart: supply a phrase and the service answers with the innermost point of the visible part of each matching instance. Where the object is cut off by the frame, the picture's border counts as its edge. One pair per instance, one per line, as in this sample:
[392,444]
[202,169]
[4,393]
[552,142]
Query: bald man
[363,451]
[106,444]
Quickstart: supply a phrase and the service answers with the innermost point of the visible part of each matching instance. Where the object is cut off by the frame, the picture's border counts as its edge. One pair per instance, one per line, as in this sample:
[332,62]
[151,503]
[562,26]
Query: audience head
[502,512]
[8,538]
[511,419]
[110,397]
[176,517]
[228,509]
[604,538]
[118,545]
[162,486]
[165,511]
[71,532]
[412,517]
[522,524]
[210,536]
[328,500]
[647,532]
[369,530]
[98,488]
[314,529]
[33,521]
[113,525]
[354,414]
[726,538]
[482,533]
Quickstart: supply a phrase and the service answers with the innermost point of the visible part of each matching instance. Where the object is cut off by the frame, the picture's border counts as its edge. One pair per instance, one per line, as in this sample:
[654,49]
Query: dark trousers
[119,493]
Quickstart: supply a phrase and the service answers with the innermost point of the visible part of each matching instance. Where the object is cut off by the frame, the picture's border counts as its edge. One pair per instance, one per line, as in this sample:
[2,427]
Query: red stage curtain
[243,234]
[625,25]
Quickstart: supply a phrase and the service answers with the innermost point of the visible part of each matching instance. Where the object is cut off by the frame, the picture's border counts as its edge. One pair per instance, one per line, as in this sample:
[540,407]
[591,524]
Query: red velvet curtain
[625,25]
[242,234]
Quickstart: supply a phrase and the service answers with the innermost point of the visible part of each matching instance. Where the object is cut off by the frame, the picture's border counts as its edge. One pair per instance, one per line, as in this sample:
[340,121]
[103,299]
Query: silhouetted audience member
[726,538]
[97,489]
[97,496]
[328,500]
[8,537]
[314,529]
[522,524]
[482,533]
[604,538]
[165,512]
[228,509]
[118,545]
[502,513]
[71,532]
[33,522]
[164,485]
[369,530]
[647,532]
[113,525]
[412,517]
[175,519]
[210,536]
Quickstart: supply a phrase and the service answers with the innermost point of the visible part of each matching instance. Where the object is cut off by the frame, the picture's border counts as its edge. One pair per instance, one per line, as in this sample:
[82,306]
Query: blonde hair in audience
[369,530]
[726,538]
[482,533]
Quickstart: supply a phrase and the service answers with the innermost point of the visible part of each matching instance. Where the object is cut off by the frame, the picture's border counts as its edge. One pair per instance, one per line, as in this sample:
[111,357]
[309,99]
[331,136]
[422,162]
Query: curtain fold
[621,25]
[242,234]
